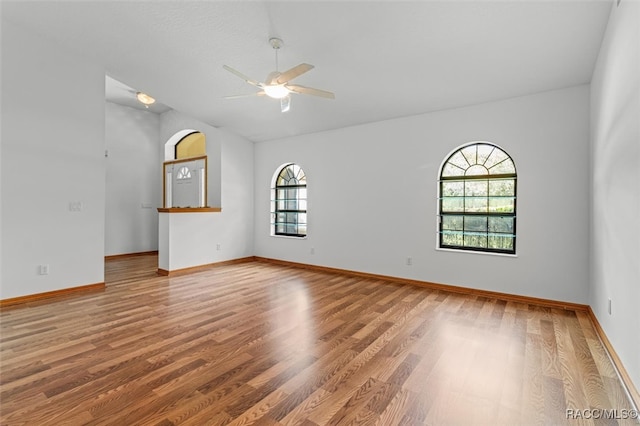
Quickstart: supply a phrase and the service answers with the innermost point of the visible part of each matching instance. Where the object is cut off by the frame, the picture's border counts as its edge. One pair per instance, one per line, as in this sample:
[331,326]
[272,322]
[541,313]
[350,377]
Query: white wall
[52,154]
[133,179]
[237,195]
[615,204]
[372,195]
[232,228]
[53,145]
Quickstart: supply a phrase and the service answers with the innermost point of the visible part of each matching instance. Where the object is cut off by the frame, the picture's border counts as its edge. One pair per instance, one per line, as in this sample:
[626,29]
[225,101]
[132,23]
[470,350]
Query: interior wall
[615,204]
[229,234]
[53,170]
[372,193]
[237,195]
[133,186]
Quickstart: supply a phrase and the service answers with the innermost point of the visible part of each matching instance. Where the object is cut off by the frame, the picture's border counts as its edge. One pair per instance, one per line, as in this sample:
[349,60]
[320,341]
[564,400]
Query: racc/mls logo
[602,413]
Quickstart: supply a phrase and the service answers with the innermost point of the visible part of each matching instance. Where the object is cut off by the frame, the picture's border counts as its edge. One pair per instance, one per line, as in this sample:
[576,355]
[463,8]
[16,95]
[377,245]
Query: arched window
[289,202]
[184,173]
[477,203]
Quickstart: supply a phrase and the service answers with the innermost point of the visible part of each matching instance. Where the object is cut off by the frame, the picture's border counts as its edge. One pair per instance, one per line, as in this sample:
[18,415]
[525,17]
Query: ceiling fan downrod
[276,43]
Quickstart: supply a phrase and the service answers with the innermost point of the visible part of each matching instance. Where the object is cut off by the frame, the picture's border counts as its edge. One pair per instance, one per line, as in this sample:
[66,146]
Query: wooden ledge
[189,209]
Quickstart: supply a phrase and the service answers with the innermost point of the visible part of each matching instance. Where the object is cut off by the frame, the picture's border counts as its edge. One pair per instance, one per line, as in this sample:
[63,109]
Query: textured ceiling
[382,59]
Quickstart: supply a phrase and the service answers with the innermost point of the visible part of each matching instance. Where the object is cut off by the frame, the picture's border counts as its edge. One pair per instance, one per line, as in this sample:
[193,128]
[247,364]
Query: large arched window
[289,202]
[477,203]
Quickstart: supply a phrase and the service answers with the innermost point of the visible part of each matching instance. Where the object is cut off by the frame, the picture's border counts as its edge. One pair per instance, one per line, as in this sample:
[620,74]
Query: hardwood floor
[257,343]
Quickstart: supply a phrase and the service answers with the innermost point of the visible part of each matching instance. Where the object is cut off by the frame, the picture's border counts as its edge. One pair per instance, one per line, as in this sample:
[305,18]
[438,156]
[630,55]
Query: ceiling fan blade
[296,88]
[248,95]
[294,72]
[272,79]
[285,103]
[242,76]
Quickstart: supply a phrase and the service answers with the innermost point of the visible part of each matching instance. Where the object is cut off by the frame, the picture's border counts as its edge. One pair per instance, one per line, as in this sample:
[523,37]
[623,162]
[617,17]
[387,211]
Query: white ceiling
[382,59]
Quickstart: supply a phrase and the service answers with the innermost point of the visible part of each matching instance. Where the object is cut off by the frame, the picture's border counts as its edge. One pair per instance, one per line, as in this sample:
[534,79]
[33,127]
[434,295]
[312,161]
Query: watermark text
[602,413]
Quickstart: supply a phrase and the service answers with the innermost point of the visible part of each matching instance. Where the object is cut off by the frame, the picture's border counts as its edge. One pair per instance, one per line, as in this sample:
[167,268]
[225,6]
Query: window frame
[467,214]
[276,210]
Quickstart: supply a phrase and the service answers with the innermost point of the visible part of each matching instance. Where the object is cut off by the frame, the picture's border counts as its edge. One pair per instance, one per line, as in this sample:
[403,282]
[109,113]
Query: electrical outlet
[218,247]
[409,261]
[75,206]
[43,269]
[609,306]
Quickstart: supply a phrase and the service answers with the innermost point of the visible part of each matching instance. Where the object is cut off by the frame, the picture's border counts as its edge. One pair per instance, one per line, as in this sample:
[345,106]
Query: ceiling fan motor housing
[276,43]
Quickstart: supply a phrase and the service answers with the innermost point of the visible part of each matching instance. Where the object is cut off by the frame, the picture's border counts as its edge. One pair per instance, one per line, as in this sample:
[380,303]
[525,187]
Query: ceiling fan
[277,84]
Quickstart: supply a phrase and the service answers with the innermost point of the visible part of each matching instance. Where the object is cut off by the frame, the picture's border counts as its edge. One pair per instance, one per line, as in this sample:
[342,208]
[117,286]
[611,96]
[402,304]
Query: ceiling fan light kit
[276,92]
[277,85]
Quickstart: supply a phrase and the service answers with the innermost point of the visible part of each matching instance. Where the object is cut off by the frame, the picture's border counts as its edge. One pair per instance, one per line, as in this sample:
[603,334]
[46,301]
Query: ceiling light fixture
[278,84]
[145,99]
[276,92]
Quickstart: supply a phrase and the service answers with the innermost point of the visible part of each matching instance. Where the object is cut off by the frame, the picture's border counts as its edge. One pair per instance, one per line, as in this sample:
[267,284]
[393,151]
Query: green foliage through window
[477,202]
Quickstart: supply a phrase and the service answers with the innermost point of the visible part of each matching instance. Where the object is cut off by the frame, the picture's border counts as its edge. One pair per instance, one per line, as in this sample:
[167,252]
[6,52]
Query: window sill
[476,252]
[289,237]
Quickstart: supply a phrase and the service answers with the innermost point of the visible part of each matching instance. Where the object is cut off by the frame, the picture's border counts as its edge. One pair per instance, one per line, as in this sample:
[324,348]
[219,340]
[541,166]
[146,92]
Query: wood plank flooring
[263,344]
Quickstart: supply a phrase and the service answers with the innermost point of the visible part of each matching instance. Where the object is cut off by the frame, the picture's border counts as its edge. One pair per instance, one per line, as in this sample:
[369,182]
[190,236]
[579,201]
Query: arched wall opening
[190,148]
[170,145]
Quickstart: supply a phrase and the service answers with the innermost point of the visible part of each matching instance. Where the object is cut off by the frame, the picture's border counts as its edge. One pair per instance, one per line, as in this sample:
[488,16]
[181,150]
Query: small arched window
[183,173]
[477,203]
[289,202]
